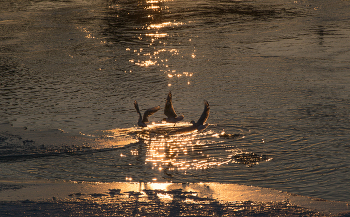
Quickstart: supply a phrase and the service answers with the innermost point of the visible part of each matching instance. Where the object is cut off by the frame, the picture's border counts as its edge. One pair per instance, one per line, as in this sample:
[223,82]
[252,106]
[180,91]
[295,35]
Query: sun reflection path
[183,152]
[151,31]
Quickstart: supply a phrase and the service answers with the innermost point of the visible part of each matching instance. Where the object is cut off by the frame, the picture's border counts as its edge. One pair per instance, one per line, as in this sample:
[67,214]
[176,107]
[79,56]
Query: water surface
[275,74]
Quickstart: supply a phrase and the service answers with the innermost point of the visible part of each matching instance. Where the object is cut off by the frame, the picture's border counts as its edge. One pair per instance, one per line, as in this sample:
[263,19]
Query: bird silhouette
[200,125]
[143,120]
[169,111]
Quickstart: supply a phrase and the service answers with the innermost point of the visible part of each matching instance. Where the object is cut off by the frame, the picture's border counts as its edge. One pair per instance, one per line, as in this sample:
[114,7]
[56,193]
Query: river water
[275,73]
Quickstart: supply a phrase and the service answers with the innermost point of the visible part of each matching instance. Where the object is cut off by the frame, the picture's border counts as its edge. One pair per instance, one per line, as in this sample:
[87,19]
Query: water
[275,74]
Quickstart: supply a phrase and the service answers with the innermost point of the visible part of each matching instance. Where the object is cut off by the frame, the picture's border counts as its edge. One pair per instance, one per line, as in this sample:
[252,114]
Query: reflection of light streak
[88,33]
[152,2]
[158,26]
[157,35]
[146,63]
[157,52]
[161,25]
[188,74]
[175,51]
[89,36]
[180,75]
[152,7]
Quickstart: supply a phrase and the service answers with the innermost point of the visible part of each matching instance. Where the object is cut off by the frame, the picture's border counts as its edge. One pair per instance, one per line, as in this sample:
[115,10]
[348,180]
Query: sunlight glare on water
[167,152]
[276,76]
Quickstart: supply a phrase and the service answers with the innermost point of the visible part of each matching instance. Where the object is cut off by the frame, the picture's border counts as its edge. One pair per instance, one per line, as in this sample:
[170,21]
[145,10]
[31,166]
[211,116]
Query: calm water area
[275,73]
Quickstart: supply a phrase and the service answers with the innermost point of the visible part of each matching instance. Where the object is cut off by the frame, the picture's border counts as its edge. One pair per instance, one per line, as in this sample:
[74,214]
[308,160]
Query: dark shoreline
[134,207]
[46,198]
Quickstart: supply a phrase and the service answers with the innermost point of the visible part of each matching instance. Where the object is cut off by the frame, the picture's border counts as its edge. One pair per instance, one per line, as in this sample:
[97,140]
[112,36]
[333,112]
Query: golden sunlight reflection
[172,74]
[180,152]
[152,1]
[157,35]
[168,149]
[187,199]
[152,7]
[146,63]
[151,35]
[162,25]
[90,35]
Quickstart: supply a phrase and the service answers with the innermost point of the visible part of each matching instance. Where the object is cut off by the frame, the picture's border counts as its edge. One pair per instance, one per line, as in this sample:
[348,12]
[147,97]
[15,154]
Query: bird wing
[205,115]
[169,110]
[149,112]
[137,108]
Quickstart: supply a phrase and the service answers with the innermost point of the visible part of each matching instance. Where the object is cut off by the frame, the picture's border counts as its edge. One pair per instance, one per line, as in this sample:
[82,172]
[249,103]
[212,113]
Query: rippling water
[276,75]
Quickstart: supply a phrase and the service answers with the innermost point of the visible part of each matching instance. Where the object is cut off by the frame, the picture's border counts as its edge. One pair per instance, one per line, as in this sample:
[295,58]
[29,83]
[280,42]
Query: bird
[143,120]
[200,125]
[169,111]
